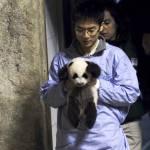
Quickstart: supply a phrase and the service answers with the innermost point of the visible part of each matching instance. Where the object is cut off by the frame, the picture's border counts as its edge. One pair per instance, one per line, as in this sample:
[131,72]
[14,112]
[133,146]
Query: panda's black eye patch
[70,64]
[75,76]
[85,75]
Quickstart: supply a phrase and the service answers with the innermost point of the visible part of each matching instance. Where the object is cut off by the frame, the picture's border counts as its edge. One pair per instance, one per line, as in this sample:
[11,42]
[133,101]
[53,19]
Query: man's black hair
[88,9]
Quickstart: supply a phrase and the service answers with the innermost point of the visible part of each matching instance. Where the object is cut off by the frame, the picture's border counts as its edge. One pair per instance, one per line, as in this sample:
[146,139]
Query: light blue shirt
[118,90]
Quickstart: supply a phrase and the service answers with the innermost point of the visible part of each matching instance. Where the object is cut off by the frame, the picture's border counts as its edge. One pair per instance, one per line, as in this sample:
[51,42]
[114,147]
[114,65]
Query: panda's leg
[90,113]
[73,111]
[95,95]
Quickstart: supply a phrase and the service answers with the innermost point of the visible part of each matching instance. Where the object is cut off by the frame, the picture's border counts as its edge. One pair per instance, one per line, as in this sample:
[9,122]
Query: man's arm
[51,90]
[123,88]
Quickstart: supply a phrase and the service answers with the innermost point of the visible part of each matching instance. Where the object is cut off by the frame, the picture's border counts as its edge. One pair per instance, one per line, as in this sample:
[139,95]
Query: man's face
[109,27]
[87,32]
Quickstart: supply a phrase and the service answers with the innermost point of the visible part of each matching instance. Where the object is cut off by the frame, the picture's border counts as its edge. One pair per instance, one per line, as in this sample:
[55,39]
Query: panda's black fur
[82,97]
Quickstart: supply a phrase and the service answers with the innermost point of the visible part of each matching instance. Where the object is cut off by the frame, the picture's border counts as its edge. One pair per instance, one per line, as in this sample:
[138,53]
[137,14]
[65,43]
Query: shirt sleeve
[122,89]
[52,90]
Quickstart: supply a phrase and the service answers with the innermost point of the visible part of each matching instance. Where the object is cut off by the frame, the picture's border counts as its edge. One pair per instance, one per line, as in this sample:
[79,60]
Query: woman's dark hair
[88,9]
[119,16]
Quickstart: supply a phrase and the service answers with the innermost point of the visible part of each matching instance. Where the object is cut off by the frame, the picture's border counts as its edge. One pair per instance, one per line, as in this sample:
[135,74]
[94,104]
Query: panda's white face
[77,72]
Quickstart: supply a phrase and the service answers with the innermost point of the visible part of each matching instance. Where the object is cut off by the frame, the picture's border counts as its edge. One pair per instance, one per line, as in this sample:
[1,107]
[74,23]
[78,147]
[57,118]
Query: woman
[116,32]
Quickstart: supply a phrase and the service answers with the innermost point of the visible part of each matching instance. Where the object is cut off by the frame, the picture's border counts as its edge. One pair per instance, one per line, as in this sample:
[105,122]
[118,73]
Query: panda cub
[81,84]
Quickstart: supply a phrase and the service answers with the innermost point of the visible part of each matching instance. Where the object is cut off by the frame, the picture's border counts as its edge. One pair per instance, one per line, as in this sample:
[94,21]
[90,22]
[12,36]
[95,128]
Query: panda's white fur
[82,90]
[78,67]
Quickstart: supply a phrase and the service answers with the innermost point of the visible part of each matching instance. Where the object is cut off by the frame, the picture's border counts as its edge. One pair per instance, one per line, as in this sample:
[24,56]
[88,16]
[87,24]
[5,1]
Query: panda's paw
[74,123]
[97,85]
[91,114]
[73,114]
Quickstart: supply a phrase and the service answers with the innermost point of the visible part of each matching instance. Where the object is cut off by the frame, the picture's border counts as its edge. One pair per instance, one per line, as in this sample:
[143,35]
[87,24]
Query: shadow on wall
[24,119]
[26,132]
[54,17]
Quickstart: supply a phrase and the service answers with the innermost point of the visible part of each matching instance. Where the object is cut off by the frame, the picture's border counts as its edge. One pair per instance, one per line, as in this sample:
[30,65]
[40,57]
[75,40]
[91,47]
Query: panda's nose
[80,84]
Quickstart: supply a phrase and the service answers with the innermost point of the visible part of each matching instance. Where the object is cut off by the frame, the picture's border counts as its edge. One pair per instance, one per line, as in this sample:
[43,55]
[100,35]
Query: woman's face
[109,25]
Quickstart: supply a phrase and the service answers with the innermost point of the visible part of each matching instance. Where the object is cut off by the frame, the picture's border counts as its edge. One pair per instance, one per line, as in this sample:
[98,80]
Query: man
[118,87]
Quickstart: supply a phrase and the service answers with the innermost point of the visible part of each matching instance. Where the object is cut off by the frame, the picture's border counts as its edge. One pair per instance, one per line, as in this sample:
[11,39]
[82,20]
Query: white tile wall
[54,31]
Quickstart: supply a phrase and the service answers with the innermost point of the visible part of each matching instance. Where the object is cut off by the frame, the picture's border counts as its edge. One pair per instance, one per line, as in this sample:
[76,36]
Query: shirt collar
[73,50]
[94,49]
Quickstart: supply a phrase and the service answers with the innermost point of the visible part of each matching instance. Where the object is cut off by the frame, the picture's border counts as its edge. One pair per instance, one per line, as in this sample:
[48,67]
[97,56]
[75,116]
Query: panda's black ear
[94,69]
[63,73]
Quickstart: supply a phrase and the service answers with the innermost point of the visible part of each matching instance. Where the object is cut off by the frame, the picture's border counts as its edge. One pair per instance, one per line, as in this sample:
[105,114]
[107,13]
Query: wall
[55,43]
[23,67]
